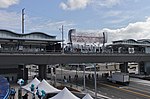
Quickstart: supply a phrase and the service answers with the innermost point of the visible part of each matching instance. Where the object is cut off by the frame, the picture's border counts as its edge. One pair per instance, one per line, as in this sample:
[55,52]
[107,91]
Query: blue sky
[121,19]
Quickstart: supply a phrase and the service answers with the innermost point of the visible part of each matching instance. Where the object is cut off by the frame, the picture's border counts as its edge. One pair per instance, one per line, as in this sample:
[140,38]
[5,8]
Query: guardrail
[67,52]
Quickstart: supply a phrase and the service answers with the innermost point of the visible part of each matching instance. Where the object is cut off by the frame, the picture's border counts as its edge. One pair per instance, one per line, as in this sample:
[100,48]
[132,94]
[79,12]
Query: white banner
[86,37]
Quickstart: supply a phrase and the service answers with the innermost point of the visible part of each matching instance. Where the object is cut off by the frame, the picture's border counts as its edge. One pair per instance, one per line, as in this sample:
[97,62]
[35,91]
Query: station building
[131,46]
[35,42]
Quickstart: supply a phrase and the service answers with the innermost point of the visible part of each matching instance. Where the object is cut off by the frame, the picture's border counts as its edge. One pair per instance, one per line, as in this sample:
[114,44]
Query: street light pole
[95,81]
[76,76]
[84,77]
[61,74]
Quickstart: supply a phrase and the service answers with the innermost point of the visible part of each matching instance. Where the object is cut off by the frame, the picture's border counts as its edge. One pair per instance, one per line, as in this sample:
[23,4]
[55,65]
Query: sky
[120,19]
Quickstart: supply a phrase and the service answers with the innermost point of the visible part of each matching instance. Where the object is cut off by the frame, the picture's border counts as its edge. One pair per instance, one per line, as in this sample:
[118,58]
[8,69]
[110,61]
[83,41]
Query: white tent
[87,96]
[65,94]
[35,82]
[44,85]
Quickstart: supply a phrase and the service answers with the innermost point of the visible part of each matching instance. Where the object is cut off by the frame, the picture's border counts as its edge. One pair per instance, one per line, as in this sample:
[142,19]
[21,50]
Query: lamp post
[61,74]
[95,81]
[76,77]
[84,77]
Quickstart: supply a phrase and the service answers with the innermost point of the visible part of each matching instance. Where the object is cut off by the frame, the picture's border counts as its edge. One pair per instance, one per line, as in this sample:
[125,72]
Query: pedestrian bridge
[59,58]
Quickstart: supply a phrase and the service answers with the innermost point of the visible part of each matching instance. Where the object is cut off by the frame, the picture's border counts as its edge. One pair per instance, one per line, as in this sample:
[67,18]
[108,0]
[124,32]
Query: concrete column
[42,72]
[124,67]
[144,68]
[141,68]
[25,74]
[22,72]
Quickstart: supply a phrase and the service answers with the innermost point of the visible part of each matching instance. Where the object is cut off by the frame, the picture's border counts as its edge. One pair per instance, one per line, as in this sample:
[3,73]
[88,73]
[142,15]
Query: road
[123,92]
[137,89]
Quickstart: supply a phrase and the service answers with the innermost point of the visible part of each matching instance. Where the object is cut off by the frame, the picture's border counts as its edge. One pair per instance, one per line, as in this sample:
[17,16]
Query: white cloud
[81,4]
[75,4]
[12,21]
[9,20]
[7,3]
[113,13]
[49,26]
[106,3]
[138,30]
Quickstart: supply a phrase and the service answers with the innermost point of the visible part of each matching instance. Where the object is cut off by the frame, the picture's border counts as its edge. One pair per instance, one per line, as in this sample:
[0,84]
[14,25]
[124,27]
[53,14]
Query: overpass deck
[59,58]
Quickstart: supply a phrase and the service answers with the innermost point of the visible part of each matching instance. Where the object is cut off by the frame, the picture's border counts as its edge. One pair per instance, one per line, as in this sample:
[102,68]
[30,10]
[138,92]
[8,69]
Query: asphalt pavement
[137,89]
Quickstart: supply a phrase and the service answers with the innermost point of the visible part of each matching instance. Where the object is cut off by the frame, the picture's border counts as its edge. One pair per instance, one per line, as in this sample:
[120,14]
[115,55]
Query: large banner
[86,37]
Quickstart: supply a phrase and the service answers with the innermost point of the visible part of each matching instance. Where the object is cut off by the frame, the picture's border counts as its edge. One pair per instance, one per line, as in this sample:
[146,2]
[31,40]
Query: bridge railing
[30,52]
[106,52]
[66,52]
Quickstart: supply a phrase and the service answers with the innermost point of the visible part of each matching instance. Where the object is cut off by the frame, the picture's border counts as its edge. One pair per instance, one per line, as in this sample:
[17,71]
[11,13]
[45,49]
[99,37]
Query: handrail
[67,53]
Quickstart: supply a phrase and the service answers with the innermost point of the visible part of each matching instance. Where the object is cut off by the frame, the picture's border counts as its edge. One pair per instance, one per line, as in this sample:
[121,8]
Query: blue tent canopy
[4,88]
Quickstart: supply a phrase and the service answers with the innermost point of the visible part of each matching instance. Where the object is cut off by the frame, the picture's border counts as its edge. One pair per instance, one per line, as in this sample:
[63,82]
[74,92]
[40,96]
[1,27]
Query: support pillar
[42,72]
[124,67]
[141,68]
[144,68]
[22,72]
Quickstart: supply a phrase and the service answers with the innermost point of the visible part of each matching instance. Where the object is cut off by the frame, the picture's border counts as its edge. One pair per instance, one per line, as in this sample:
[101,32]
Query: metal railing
[66,52]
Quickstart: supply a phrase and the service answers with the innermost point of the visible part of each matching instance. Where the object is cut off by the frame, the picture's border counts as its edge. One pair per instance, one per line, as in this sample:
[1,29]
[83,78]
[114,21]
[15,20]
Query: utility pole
[104,41]
[62,38]
[23,20]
